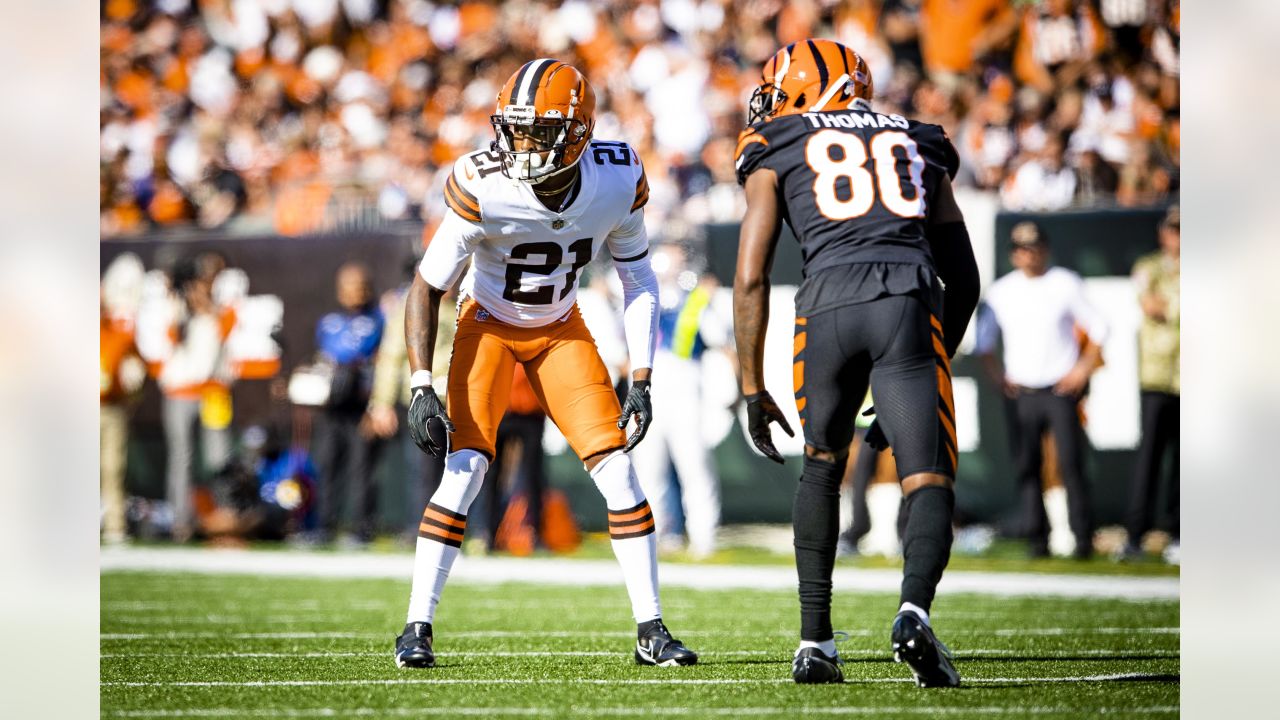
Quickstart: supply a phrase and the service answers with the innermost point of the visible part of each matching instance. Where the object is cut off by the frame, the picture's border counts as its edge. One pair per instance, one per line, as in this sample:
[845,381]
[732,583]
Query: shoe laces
[660,630]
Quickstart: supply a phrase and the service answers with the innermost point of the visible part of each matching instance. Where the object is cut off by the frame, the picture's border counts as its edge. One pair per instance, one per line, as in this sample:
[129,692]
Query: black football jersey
[855,183]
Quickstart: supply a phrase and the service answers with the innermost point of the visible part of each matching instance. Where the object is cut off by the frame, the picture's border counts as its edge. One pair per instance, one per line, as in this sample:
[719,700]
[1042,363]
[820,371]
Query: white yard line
[578,634]
[627,711]
[709,655]
[1132,677]
[578,573]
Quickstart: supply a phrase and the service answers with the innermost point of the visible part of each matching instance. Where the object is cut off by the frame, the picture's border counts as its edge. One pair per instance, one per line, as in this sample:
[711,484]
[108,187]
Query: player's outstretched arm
[954,261]
[756,245]
[421,320]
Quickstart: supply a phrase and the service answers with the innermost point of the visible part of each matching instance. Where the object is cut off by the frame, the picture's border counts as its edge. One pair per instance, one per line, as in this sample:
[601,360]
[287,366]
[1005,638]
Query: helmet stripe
[786,65]
[515,86]
[826,97]
[529,91]
[822,66]
[844,58]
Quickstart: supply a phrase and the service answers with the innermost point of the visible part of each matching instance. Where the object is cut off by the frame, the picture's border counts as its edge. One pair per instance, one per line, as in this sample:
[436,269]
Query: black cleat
[657,647]
[915,644]
[812,666]
[413,647]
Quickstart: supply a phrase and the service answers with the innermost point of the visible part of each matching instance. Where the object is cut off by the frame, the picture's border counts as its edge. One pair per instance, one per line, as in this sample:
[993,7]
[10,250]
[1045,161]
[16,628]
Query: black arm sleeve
[953,259]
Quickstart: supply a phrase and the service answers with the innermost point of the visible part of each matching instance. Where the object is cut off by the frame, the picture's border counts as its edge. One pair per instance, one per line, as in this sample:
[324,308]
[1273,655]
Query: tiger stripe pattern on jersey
[442,525]
[633,522]
[459,200]
[946,401]
[642,192]
[799,342]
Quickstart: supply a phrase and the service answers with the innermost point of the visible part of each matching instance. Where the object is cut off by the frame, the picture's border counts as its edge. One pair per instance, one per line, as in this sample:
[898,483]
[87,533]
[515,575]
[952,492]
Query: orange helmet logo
[810,76]
[543,120]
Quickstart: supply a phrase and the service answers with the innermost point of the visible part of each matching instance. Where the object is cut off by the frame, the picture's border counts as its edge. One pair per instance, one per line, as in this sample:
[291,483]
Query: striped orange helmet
[543,120]
[810,76]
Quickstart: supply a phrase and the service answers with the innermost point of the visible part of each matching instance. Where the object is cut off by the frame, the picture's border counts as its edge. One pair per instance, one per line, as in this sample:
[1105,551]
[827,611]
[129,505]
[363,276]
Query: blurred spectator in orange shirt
[121,374]
[953,33]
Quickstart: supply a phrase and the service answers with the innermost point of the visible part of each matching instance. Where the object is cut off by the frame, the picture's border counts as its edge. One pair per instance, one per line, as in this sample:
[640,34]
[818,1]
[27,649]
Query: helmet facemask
[545,141]
[763,101]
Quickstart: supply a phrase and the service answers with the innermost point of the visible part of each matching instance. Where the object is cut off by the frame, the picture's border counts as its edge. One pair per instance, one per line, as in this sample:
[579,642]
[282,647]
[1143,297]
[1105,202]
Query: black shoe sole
[415,663]
[683,661]
[813,671]
[915,648]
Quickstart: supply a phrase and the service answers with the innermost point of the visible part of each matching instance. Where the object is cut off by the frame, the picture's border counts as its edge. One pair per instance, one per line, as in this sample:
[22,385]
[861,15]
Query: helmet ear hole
[800,101]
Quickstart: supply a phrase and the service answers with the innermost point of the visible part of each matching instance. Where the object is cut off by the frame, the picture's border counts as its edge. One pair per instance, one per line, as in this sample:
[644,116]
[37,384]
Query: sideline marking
[1003,632]
[579,573]
[1132,677]
[781,656]
[629,711]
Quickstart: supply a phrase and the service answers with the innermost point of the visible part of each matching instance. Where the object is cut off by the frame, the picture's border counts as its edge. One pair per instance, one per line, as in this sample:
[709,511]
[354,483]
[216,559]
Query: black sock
[643,628]
[926,543]
[815,518]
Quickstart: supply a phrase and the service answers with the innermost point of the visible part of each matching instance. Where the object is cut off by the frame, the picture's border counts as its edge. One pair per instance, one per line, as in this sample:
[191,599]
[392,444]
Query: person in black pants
[1159,345]
[890,283]
[1037,311]
[345,449]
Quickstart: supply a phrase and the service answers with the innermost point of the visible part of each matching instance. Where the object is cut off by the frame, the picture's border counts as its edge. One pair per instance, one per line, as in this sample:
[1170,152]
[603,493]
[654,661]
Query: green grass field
[189,645]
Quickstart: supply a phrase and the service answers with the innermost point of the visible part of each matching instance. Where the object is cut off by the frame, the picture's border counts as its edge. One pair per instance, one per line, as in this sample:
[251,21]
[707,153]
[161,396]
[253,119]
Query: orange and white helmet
[550,108]
[810,76]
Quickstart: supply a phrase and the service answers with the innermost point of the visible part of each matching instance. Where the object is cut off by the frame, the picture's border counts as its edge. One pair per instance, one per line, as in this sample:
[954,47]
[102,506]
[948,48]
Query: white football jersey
[526,258]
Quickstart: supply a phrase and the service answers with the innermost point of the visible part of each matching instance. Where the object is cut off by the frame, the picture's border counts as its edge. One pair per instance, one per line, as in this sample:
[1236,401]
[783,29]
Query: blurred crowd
[290,116]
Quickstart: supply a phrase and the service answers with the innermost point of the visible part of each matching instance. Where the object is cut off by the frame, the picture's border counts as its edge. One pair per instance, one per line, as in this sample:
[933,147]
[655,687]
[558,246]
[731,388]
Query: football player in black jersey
[868,196]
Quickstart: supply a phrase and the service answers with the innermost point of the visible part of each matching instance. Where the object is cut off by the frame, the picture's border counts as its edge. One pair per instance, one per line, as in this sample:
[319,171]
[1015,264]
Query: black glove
[424,406]
[875,436]
[762,410]
[638,404]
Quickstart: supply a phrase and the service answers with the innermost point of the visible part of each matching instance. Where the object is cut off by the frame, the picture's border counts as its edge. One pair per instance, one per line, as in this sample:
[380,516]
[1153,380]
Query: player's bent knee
[616,479]
[592,461]
[463,475]
[922,480]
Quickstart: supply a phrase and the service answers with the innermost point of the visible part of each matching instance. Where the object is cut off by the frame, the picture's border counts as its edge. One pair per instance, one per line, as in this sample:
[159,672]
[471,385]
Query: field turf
[211,646]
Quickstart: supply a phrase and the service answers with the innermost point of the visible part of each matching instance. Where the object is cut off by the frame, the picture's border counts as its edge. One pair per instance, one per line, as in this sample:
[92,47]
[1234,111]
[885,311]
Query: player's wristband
[420,378]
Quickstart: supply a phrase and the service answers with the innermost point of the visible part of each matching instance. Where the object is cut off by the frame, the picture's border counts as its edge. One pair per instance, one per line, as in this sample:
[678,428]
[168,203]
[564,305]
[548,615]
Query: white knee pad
[463,476]
[616,479]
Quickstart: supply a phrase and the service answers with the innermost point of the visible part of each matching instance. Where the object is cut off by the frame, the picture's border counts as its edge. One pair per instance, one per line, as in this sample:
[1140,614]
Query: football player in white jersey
[530,213]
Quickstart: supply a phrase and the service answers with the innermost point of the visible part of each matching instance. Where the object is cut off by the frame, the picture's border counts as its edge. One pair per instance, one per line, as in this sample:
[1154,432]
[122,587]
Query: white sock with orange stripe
[444,523]
[631,533]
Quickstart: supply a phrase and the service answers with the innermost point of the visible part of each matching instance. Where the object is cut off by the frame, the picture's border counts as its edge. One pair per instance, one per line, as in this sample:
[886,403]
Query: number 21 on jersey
[552,255]
[862,183]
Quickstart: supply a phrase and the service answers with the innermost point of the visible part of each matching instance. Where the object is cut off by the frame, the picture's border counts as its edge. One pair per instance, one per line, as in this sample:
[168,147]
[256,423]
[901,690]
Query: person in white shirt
[1037,310]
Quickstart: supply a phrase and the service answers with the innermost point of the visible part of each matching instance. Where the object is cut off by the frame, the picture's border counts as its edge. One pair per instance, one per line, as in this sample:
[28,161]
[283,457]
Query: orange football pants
[564,369]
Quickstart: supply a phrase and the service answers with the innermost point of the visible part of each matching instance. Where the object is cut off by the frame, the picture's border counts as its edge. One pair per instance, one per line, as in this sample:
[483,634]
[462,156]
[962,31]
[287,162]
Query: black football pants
[894,344]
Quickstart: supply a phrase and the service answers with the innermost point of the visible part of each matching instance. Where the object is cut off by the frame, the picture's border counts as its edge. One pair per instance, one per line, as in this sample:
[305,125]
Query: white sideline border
[580,573]
[972,654]
[1110,677]
[631,711]
[489,634]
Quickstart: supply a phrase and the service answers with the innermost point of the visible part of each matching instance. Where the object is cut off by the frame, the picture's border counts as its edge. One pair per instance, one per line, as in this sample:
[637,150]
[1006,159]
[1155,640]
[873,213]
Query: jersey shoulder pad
[761,144]
[641,196]
[752,147]
[620,163]
[935,146]
[463,189]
